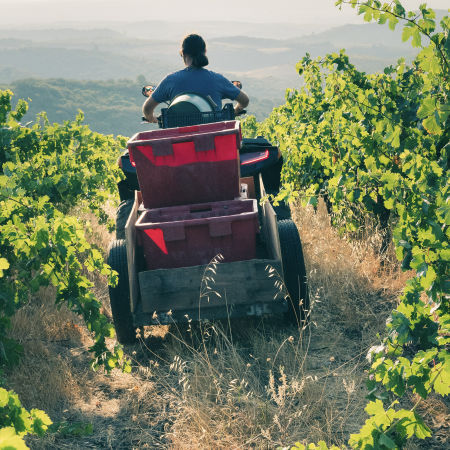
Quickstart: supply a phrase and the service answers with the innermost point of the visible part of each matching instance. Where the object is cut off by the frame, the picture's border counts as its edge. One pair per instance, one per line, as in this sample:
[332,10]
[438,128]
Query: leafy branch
[389,165]
[396,10]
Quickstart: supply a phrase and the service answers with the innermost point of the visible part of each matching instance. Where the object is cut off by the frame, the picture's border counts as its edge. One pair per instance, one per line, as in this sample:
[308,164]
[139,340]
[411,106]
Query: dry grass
[255,384]
[44,377]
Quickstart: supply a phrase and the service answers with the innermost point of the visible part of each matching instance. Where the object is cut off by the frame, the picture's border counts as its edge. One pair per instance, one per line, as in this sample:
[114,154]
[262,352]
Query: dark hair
[194,46]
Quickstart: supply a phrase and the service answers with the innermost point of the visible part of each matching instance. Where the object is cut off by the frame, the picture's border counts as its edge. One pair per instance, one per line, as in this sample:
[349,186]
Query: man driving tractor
[195,79]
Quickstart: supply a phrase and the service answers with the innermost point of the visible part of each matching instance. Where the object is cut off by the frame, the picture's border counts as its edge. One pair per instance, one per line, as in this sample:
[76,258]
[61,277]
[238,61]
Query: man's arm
[242,102]
[148,109]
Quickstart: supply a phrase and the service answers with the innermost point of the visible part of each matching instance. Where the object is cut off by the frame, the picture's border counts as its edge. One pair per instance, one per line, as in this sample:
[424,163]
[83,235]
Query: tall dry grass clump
[43,378]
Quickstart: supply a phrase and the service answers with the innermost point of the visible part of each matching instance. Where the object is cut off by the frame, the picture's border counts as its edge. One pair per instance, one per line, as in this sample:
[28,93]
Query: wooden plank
[214,313]
[269,226]
[241,282]
[130,239]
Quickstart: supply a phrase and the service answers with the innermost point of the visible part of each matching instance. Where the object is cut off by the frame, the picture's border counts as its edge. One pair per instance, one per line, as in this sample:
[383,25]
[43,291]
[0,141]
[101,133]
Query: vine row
[45,172]
[378,145]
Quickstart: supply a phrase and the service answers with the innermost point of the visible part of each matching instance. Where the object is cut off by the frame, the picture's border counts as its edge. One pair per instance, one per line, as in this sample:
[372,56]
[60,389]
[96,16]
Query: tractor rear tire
[119,296]
[294,273]
[123,212]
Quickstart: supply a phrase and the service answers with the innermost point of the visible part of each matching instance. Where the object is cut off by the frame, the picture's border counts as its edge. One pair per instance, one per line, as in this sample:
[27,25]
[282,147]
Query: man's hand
[242,102]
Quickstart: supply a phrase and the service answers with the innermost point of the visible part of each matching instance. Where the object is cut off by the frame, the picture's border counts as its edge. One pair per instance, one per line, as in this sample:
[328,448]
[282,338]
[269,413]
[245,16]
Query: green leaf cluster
[16,422]
[388,429]
[45,171]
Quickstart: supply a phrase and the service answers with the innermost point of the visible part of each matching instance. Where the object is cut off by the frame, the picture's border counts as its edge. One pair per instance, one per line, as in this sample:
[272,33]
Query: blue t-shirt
[192,80]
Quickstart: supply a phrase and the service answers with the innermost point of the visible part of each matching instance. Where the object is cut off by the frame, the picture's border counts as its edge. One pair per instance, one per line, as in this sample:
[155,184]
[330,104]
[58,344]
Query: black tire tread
[119,296]
[123,212]
[294,272]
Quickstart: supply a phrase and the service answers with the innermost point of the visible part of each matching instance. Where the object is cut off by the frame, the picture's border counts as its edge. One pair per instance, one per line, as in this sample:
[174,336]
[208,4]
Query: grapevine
[377,145]
[45,171]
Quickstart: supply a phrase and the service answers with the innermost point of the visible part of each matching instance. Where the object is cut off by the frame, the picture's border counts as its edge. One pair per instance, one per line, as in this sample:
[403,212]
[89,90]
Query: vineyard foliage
[45,172]
[378,145]
[16,421]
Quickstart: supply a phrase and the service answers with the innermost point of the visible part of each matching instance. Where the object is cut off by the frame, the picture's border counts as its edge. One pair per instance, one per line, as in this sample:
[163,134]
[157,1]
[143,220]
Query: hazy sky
[40,12]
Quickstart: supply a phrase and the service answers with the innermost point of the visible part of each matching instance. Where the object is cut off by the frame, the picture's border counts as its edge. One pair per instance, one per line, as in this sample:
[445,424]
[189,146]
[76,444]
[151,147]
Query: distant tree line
[110,107]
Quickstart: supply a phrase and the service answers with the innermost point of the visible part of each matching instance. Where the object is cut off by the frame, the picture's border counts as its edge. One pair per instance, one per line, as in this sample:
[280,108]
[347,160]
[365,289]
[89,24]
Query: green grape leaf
[420,429]
[442,379]
[429,278]
[407,33]
[4,265]
[417,38]
[375,408]
[427,108]
[385,440]
[9,440]
[389,203]
[431,125]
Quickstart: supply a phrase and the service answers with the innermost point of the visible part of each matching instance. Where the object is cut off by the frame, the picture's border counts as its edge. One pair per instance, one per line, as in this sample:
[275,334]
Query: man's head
[194,48]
